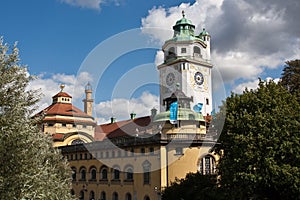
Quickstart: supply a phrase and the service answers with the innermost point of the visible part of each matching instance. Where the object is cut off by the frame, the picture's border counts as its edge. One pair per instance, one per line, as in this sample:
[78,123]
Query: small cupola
[204,35]
[184,27]
[62,97]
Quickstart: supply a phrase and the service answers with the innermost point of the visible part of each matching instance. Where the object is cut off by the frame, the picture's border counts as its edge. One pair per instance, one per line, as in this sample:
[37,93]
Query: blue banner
[173,112]
[198,107]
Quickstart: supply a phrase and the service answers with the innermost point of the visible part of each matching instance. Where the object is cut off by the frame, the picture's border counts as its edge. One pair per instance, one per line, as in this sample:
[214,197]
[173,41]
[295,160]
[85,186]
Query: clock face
[170,79]
[199,79]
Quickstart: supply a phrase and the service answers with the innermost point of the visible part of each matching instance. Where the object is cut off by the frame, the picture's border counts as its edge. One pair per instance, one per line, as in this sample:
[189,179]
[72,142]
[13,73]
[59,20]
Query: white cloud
[89,4]
[247,37]
[120,108]
[159,57]
[50,86]
[75,86]
[164,18]
[250,85]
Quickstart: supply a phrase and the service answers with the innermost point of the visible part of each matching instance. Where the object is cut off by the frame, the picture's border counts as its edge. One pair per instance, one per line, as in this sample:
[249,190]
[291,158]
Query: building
[136,159]
[66,123]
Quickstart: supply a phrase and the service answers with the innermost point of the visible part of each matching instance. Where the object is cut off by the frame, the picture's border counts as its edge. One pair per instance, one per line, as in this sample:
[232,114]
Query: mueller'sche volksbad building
[136,159]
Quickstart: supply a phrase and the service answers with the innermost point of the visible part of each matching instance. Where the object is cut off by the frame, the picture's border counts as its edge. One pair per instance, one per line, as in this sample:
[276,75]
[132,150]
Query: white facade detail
[187,67]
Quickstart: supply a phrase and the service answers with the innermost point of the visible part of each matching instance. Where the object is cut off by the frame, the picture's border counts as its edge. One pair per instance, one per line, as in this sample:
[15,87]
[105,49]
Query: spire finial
[88,86]
[183,14]
[62,86]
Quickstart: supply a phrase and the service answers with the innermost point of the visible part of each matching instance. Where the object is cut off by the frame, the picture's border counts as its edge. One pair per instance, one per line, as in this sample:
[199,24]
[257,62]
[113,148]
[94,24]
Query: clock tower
[187,66]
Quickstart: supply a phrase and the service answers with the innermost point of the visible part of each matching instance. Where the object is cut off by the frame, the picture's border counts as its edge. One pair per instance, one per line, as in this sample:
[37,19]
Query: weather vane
[62,86]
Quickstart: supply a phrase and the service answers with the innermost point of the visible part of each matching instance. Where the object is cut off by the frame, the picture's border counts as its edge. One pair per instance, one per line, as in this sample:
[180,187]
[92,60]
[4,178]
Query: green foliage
[30,167]
[261,144]
[290,78]
[194,187]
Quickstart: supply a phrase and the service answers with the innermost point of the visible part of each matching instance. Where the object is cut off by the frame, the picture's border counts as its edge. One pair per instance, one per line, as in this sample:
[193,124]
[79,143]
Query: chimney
[112,120]
[132,115]
[153,112]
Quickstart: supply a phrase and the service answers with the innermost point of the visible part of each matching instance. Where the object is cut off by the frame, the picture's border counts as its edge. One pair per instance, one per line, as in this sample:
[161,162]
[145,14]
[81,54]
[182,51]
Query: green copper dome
[184,114]
[183,29]
[184,21]
[204,32]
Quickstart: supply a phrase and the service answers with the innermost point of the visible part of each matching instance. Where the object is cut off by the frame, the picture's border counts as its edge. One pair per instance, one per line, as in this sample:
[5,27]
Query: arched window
[92,195]
[81,195]
[103,173]
[115,196]
[103,196]
[171,51]
[128,196]
[207,165]
[73,174]
[197,51]
[116,174]
[77,141]
[129,174]
[93,174]
[82,174]
[146,167]
[146,197]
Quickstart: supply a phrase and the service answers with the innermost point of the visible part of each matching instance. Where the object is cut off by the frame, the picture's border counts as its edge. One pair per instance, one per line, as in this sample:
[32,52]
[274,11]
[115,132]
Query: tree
[195,186]
[30,167]
[260,144]
[290,77]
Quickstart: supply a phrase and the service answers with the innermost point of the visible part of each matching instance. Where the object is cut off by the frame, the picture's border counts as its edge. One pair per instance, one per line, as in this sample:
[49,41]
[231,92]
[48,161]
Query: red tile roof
[58,136]
[64,109]
[62,94]
[122,128]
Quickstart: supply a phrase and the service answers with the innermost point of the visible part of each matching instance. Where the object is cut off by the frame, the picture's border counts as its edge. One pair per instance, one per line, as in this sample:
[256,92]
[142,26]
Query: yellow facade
[165,161]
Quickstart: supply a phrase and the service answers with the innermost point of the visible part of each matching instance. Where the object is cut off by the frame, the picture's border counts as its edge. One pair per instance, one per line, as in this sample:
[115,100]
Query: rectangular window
[116,174]
[151,151]
[178,151]
[146,177]
[183,50]
[132,151]
[207,101]
[207,165]
[142,151]
[201,166]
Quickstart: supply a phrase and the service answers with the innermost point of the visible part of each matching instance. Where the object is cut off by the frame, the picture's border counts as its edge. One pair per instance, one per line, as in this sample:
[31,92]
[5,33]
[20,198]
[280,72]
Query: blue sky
[58,38]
